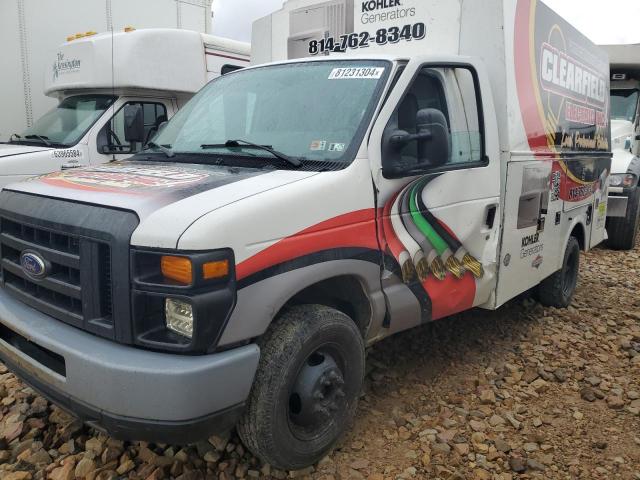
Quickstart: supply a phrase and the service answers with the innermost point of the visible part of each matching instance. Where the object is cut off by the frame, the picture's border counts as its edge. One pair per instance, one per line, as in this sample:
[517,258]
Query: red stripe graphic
[355,229]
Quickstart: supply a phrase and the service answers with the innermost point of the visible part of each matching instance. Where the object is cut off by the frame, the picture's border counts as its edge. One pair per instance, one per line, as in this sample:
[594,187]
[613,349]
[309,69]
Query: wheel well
[578,233]
[346,294]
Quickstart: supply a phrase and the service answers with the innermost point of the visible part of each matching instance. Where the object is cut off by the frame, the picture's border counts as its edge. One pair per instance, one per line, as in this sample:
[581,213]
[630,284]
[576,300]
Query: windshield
[624,104]
[66,124]
[312,111]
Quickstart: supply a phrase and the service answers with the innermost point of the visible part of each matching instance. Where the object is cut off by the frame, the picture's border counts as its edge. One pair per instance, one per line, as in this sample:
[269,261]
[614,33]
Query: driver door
[438,207]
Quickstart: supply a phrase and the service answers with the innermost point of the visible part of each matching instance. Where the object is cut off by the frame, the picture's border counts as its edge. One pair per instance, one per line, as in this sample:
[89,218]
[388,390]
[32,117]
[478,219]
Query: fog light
[179,317]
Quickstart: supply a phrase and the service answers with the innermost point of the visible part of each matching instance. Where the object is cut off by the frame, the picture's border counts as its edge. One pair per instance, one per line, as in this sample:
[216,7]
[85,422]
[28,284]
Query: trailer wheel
[623,231]
[306,389]
[558,289]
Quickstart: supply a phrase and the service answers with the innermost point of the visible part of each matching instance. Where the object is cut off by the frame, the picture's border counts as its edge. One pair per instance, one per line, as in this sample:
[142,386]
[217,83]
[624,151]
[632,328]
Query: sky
[610,21]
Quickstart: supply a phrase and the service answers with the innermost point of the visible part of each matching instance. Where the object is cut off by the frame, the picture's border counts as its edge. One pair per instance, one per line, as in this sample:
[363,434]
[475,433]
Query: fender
[259,303]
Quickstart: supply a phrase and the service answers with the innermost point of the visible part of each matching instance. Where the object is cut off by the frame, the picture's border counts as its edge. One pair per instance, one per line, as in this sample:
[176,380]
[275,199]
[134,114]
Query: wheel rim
[570,274]
[317,396]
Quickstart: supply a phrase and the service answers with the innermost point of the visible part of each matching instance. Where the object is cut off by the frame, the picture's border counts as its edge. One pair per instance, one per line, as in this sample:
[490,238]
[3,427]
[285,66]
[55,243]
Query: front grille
[79,269]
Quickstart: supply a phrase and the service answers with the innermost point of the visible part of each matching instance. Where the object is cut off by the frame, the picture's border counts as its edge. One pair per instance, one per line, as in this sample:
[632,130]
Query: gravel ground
[525,392]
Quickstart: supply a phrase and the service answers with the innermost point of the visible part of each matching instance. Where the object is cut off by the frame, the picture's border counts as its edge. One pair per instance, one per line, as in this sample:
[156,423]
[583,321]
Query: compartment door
[531,240]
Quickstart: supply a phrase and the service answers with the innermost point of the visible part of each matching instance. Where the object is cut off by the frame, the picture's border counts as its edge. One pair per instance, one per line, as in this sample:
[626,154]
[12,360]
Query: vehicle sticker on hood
[131,179]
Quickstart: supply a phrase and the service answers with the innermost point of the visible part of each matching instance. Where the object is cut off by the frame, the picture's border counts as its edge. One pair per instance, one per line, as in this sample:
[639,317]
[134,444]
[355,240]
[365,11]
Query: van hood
[145,187]
[9,150]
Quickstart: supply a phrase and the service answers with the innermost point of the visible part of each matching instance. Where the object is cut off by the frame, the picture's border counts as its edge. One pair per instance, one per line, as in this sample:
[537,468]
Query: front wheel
[558,289]
[306,389]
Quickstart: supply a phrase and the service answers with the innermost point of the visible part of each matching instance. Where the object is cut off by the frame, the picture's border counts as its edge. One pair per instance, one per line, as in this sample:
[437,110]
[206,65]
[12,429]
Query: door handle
[490,217]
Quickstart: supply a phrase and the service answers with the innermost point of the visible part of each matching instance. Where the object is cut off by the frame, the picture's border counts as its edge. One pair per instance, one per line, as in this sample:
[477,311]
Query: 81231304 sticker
[354,73]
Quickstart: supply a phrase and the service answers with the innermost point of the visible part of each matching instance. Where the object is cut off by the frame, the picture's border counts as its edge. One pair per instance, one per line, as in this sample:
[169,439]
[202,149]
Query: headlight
[626,180]
[179,317]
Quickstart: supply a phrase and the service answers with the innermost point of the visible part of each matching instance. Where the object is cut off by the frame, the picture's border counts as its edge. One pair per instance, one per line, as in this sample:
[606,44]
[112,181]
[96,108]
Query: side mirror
[434,142]
[133,123]
[433,148]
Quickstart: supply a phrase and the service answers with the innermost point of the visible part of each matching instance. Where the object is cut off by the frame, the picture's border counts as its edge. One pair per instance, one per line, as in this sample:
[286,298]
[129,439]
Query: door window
[112,135]
[451,92]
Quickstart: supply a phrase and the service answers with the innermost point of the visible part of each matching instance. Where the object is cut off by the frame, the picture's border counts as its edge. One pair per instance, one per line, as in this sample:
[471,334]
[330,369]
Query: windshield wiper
[42,138]
[240,143]
[17,137]
[169,153]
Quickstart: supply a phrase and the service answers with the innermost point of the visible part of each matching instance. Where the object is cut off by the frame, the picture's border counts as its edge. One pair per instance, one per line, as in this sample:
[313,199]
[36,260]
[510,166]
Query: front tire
[306,389]
[558,289]
[623,231]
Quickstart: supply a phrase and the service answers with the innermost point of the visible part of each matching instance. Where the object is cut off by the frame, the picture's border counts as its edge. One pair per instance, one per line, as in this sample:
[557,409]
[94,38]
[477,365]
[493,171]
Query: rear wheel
[623,231]
[558,289]
[306,389]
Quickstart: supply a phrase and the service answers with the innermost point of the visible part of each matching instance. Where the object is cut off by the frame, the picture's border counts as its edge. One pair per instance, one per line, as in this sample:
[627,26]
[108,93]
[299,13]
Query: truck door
[438,181]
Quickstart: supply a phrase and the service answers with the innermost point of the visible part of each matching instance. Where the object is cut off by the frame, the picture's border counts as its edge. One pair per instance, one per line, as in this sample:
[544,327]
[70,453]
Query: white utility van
[114,92]
[623,214]
[398,162]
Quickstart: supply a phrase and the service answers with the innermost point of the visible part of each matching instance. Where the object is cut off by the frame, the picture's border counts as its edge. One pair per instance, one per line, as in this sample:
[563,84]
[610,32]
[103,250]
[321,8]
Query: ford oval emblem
[33,265]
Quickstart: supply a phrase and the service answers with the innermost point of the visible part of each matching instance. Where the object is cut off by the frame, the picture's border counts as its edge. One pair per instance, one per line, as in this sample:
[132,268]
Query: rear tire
[558,289]
[623,231]
[306,389]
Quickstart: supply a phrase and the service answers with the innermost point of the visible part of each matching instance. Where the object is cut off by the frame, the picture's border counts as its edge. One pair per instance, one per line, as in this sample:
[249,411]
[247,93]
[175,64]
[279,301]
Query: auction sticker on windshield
[374,73]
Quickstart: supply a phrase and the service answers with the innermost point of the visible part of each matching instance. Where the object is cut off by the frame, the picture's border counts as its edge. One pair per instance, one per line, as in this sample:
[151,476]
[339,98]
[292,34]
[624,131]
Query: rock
[540,385]
[481,474]
[487,397]
[461,448]
[220,442]
[65,472]
[593,381]
[530,447]
[517,464]
[535,465]
[588,394]
[560,374]
[85,467]
[359,464]
[94,445]
[615,403]
[477,426]
[441,448]
[502,446]
[530,374]
[126,467]
[17,476]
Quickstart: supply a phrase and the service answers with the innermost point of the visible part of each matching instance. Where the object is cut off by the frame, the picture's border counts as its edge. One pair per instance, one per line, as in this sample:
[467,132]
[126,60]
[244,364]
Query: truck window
[314,111]
[112,135]
[451,91]
[624,104]
[65,125]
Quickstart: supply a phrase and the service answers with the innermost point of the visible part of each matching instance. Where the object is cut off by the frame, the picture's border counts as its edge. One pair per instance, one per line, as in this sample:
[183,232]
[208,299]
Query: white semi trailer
[30,31]
[624,195]
[114,90]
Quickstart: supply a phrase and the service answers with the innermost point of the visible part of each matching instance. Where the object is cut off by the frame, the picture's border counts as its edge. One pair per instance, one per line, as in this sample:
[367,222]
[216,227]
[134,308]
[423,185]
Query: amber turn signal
[178,269]
[213,270]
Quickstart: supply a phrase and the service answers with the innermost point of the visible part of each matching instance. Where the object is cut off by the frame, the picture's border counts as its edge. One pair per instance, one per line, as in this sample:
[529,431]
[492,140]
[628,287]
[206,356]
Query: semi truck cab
[115,91]
[623,220]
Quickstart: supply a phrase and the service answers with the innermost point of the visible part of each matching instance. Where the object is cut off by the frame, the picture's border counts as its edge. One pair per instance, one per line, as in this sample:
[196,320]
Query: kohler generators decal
[377,23]
[563,86]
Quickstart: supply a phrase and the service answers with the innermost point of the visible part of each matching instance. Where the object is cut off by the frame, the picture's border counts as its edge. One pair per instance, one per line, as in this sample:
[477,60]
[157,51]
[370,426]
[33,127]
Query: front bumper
[131,393]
